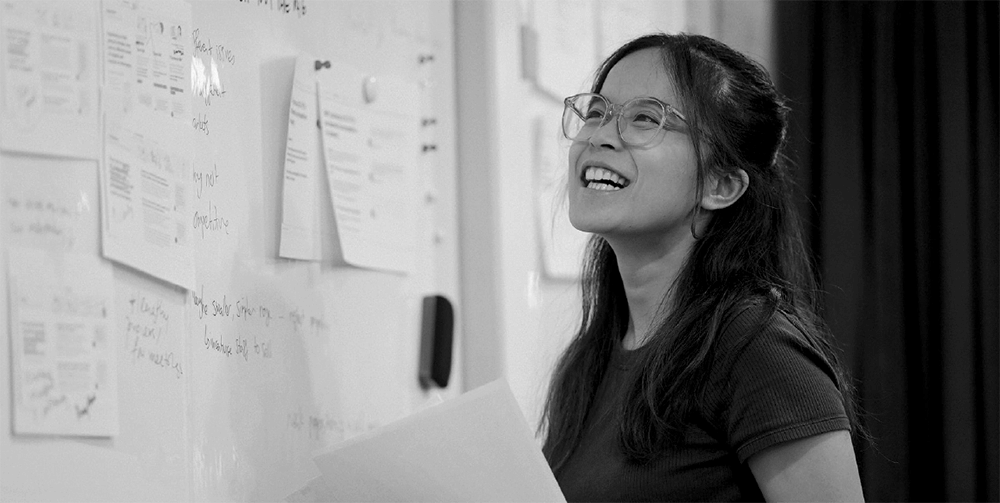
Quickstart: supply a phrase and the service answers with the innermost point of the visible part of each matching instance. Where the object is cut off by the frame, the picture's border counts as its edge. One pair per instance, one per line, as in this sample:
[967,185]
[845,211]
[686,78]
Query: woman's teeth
[603,179]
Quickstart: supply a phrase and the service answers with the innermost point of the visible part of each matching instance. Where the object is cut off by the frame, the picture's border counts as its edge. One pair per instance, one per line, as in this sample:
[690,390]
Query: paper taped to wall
[64,346]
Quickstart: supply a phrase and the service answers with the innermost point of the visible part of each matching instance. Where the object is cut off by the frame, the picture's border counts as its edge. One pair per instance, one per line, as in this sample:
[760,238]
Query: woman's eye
[645,120]
[593,114]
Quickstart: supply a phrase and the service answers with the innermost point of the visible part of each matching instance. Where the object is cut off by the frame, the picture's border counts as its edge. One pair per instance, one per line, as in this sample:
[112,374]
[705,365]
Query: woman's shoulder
[763,326]
[769,380]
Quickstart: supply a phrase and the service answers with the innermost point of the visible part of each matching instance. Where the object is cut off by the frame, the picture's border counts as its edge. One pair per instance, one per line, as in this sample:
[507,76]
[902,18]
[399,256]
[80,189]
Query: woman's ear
[724,190]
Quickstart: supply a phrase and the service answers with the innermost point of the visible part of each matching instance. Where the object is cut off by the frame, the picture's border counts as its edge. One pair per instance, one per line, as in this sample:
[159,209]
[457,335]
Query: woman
[700,370]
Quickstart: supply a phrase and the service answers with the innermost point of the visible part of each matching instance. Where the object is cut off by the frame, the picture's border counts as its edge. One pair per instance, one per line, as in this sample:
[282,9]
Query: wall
[331,351]
[215,432]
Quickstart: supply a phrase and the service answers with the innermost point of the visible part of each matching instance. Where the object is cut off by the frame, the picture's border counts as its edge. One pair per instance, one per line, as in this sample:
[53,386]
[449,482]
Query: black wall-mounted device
[438,324]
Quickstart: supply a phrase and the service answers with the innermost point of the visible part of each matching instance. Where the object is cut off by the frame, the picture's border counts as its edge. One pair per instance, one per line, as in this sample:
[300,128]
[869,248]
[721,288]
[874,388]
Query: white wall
[335,349]
[516,319]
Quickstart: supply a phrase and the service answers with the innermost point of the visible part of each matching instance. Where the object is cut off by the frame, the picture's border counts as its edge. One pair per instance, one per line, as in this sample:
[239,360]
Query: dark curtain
[895,138]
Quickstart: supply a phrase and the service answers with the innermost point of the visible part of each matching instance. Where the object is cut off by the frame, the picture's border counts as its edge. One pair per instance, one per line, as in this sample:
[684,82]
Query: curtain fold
[894,133]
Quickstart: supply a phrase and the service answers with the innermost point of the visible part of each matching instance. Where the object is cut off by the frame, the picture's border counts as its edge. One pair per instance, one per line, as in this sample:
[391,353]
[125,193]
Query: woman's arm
[817,468]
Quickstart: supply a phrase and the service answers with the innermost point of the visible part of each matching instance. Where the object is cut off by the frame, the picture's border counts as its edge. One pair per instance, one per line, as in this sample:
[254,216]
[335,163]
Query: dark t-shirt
[764,388]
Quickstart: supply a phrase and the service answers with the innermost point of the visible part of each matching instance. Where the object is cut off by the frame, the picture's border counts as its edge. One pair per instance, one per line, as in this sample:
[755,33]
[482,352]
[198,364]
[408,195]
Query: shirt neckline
[623,358]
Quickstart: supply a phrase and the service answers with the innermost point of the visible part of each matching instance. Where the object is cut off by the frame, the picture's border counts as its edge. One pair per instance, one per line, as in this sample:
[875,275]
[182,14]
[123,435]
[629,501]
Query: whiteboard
[226,390]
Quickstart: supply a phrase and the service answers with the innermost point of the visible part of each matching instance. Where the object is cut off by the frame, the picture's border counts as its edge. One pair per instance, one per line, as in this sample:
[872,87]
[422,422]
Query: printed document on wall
[304,182]
[147,63]
[49,84]
[63,343]
[146,166]
[370,147]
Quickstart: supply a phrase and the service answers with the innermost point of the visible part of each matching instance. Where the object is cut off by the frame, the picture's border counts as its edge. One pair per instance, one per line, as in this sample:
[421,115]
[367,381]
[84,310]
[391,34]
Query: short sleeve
[770,386]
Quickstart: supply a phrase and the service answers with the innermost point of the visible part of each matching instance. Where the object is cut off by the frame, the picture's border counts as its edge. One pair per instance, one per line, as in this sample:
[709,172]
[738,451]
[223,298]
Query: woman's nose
[607,135]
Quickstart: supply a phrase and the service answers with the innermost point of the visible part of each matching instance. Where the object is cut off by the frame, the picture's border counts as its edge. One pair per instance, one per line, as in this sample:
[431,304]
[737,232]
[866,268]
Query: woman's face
[660,179]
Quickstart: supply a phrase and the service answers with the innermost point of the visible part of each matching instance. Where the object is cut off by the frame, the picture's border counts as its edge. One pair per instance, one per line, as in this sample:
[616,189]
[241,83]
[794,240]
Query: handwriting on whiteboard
[242,345]
[216,51]
[247,326]
[208,218]
[297,7]
[147,321]
[319,425]
[200,124]
[248,310]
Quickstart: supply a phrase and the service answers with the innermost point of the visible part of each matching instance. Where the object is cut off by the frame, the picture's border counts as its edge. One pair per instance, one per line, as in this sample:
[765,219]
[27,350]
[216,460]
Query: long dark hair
[751,252]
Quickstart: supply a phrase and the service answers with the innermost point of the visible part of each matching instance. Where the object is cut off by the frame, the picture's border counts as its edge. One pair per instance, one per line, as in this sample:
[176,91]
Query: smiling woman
[657,163]
[700,370]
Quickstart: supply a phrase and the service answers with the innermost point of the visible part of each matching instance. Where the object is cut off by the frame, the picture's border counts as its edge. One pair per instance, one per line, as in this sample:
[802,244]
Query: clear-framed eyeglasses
[639,120]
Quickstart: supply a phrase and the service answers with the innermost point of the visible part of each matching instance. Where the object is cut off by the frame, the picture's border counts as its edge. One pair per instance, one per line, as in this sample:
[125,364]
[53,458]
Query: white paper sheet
[477,447]
[146,168]
[370,147]
[48,54]
[63,343]
[147,57]
[302,203]
[314,491]
[50,203]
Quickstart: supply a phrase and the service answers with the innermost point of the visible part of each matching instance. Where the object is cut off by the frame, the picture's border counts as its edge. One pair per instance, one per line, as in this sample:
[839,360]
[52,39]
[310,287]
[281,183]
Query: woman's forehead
[639,74]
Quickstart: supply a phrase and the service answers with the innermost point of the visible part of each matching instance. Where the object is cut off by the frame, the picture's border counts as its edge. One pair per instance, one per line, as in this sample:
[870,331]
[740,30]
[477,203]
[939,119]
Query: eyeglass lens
[639,120]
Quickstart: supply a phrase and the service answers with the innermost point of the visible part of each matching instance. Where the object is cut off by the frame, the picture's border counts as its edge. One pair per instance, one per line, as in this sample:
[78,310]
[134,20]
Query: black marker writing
[242,348]
[142,330]
[281,6]
[217,344]
[217,51]
[167,361]
[203,179]
[319,425]
[210,221]
[85,410]
[245,310]
[212,90]
[199,302]
[200,123]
